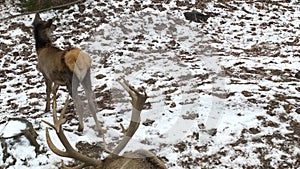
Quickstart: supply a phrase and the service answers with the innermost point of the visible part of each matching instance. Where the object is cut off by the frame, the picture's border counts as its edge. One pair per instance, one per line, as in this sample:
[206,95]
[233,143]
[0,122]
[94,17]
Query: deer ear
[37,19]
[49,22]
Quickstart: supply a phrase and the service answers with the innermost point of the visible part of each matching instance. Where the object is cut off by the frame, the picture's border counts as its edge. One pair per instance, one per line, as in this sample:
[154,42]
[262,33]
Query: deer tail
[78,62]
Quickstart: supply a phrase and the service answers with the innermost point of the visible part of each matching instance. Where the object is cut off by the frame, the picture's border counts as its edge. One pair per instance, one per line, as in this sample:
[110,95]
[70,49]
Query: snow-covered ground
[222,93]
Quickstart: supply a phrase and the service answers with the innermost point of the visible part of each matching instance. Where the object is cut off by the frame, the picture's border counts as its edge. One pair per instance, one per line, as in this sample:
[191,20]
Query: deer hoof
[100,132]
[80,128]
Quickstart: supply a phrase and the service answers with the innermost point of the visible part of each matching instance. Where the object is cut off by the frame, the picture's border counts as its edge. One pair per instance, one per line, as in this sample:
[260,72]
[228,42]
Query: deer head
[140,159]
[42,29]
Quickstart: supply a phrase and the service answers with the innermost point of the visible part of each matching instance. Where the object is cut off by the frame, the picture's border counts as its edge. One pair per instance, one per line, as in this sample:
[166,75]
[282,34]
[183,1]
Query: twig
[42,10]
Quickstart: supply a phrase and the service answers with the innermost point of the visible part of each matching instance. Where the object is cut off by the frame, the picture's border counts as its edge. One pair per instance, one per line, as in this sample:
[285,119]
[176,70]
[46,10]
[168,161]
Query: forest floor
[223,93]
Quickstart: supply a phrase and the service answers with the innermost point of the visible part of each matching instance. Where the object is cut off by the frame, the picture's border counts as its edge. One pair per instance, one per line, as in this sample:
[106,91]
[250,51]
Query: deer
[139,159]
[69,67]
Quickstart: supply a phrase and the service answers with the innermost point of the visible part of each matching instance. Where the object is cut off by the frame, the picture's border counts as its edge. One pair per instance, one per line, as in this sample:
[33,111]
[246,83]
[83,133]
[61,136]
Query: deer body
[139,159]
[58,67]
[55,70]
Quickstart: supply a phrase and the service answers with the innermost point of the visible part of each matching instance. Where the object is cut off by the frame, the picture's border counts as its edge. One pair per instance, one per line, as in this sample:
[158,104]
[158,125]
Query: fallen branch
[42,10]
[29,132]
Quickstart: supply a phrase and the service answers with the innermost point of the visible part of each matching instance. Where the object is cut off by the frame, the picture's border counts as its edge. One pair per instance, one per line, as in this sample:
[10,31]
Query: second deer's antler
[137,100]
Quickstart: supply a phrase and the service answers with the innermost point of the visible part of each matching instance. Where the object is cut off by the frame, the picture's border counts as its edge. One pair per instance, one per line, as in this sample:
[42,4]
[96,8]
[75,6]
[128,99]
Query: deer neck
[41,41]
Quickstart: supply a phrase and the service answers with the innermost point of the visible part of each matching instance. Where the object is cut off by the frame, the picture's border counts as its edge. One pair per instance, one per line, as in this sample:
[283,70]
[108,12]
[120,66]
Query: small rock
[148,122]
[195,16]
[100,76]
[297,75]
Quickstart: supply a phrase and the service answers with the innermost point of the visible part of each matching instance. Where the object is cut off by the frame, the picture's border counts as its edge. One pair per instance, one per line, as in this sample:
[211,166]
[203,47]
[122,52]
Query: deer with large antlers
[63,67]
[139,159]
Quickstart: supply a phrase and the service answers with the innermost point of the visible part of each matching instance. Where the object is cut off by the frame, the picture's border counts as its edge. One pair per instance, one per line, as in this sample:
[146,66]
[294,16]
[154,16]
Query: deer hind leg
[86,83]
[72,88]
[79,110]
[48,92]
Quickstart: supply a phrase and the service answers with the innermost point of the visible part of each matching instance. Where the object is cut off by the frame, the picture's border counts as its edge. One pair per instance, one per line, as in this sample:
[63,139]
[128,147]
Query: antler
[138,102]
[70,151]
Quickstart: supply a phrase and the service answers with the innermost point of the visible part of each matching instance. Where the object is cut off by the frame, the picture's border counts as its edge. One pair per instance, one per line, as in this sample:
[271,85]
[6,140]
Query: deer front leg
[54,90]
[48,92]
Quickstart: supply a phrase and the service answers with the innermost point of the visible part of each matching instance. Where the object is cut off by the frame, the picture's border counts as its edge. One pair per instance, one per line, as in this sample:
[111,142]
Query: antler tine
[138,101]
[58,122]
[62,114]
[53,147]
[70,151]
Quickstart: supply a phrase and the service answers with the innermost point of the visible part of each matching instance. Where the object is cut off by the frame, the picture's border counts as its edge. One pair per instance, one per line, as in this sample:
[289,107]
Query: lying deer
[139,159]
[63,67]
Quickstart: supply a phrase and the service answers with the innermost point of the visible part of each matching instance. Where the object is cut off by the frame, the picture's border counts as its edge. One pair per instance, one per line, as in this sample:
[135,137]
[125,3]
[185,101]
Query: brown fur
[139,159]
[78,62]
[56,70]
[71,57]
